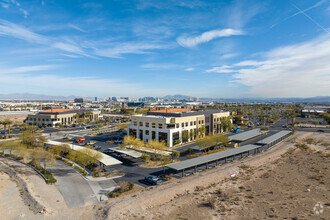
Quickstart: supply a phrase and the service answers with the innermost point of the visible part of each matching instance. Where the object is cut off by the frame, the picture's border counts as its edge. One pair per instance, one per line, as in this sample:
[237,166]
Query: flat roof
[246,135]
[57,110]
[129,152]
[212,157]
[106,159]
[171,110]
[273,137]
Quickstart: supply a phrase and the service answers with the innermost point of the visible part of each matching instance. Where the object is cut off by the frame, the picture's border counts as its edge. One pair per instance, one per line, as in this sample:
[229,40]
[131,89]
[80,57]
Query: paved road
[73,187]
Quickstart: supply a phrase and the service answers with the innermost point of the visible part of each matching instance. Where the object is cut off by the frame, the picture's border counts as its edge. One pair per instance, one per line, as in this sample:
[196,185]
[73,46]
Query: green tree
[315,122]
[154,144]
[130,140]
[185,136]
[192,134]
[9,146]
[60,150]
[202,131]
[175,154]
[42,156]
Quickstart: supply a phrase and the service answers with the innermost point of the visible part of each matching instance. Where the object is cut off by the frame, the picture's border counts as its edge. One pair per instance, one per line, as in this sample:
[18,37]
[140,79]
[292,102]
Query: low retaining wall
[38,172]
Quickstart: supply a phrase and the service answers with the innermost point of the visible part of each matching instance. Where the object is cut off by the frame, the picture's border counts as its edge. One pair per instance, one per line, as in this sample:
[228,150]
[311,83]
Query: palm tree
[6,123]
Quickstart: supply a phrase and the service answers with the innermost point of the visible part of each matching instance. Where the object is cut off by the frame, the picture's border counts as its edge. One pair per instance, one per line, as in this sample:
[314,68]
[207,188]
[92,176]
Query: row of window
[177,125]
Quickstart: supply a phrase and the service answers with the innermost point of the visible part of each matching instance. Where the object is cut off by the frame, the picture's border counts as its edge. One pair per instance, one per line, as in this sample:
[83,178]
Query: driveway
[73,187]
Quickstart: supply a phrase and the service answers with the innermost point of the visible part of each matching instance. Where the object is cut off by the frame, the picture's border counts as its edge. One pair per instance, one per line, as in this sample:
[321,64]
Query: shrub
[302,146]
[80,170]
[50,179]
[244,166]
[210,203]
[145,157]
[190,151]
[218,191]
[265,175]
[199,188]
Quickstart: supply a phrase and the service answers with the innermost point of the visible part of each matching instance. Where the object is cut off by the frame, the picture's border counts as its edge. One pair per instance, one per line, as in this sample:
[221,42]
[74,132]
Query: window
[160,125]
[147,132]
[177,125]
[191,123]
[194,122]
[202,121]
[186,124]
[153,125]
[147,124]
[135,123]
[182,124]
[141,123]
[199,122]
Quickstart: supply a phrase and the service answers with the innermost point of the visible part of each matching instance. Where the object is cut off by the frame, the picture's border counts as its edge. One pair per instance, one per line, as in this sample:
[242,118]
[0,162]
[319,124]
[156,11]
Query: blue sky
[139,48]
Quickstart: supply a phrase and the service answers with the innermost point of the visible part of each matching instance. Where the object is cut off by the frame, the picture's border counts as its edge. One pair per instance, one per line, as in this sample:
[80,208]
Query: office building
[51,117]
[174,126]
[80,100]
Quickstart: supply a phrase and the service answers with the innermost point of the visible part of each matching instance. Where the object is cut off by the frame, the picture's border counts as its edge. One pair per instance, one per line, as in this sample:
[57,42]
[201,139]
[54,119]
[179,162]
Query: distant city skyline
[142,48]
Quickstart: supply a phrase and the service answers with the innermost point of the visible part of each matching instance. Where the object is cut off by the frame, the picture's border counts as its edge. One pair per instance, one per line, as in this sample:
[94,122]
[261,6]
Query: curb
[38,172]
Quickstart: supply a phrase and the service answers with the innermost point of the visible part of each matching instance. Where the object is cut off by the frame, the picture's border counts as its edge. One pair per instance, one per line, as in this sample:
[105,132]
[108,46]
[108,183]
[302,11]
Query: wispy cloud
[221,69]
[160,66]
[169,4]
[207,36]
[228,56]
[27,69]
[298,70]
[77,28]
[190,69]
[16,31]
[8,3]
[118,50]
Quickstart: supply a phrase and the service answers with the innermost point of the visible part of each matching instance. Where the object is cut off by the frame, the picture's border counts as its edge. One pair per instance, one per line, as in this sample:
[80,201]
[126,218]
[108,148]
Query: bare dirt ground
[274,184]
[28,197]
[16,119]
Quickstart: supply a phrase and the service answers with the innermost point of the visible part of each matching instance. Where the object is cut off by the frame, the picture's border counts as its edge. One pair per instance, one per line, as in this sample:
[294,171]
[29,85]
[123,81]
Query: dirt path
[158,202]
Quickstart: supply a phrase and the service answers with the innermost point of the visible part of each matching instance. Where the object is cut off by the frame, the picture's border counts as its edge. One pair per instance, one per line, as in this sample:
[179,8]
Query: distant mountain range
[317,99]
[29,96]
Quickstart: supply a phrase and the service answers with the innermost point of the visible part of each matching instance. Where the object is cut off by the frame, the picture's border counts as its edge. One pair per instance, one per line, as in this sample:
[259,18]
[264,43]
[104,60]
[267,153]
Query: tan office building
[51,117]
[175,126]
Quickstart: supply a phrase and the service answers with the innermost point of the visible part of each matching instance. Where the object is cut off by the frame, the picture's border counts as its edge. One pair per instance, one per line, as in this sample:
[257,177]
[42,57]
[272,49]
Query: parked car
[108,151]
[154,180]
[80,140]
[119,141]
[320,130]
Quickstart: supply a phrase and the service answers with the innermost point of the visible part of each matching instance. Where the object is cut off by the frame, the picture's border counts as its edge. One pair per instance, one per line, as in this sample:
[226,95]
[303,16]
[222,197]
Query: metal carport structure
[246,135]
[270,141]
[216,158]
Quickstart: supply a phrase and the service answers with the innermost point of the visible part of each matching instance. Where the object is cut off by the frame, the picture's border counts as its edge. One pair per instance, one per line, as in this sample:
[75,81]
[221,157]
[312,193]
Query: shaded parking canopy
[106,159]
[274,137]
[128,152]
[212,157]
[243,136]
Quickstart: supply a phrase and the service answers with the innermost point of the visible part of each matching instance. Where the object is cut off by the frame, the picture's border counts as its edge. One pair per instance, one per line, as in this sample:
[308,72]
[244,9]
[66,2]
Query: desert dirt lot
[16,118]
[275,184]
